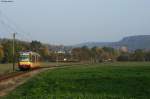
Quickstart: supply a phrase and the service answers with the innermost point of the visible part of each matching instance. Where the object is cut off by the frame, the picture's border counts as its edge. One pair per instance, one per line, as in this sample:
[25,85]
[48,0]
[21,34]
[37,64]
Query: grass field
[99,81]
[5,68]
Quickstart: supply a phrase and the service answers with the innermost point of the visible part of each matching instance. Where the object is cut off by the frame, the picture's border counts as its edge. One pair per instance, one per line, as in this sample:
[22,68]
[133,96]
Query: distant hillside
[27,44]
[132,42]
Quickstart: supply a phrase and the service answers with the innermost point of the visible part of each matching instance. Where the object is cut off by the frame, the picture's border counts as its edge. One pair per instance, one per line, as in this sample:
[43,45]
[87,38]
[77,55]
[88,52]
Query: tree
[81,54]
[38,47]
[44,52]
[35,46]
[7,48]
[147,56]
[139,55]
[109,54]
[124,57]
[85,53]
[97,54]
[1,53]
[76,54]
[52,56]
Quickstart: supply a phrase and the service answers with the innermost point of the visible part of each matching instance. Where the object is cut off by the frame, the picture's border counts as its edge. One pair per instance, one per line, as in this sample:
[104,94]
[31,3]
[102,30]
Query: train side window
[37,58]
[30,57]
[33,59]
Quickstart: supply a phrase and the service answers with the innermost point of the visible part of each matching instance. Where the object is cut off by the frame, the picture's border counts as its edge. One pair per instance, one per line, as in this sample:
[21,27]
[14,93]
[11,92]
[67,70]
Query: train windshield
[24,58]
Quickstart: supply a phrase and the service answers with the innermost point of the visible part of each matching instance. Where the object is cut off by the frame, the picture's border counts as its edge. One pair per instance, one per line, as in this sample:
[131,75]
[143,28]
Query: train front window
[24,58]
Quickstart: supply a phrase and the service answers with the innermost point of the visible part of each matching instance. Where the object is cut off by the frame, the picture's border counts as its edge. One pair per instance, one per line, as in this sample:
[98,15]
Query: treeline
[65,54]
[108,54]
[6,55]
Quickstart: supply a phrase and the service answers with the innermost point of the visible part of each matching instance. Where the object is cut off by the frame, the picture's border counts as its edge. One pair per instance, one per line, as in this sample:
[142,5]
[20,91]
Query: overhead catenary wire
[8,28]
[4,23]
[3,29]
[13,27]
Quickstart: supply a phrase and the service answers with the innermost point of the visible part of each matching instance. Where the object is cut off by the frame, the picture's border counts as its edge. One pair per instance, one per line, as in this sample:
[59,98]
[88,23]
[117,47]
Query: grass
[5,68]
[98,81]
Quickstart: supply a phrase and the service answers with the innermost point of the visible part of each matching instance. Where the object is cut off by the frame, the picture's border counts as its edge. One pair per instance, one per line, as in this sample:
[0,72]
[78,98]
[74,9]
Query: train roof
[29,52]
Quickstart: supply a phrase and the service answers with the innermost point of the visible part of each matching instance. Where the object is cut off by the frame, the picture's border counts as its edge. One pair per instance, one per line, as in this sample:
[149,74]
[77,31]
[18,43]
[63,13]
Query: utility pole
[14,52]
[57,58]
[6,1]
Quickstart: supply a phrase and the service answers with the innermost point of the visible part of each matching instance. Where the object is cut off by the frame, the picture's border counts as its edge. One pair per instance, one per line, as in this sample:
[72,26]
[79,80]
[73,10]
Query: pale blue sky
[75,21]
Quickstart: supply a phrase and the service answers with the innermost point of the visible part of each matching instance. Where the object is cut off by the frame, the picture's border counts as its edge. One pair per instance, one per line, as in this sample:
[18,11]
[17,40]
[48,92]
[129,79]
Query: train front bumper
[24,65]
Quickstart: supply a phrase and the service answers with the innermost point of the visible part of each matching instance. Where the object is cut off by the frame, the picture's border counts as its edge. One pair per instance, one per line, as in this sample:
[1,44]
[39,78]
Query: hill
[132,42]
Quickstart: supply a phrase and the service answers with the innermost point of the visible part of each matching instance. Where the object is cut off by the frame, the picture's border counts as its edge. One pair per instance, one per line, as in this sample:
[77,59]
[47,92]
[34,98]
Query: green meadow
[129,80]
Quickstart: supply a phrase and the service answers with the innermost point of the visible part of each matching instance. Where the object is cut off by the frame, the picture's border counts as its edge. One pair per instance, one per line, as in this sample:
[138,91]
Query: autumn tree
[97,54]
[109,53]
[147,56]
[77,54]
[139,55]
[124,57]
[1,53]
[44,52]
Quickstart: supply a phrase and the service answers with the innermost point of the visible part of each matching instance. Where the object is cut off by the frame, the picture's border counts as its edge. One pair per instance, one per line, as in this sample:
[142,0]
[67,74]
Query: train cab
[28,60]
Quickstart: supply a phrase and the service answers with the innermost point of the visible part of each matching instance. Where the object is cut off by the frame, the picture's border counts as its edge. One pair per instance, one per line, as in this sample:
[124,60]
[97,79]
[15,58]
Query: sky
[71,22]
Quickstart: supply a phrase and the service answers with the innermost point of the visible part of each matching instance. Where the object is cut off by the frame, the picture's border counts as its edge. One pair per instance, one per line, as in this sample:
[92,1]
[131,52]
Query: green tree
[7,47]
[35,46]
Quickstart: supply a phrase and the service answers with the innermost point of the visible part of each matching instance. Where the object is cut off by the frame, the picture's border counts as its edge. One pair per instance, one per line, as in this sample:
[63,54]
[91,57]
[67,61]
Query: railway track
[10,81]
[15,74]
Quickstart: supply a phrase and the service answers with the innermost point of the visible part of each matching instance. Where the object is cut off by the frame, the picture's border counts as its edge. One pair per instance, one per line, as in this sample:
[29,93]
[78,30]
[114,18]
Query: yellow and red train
[28,60]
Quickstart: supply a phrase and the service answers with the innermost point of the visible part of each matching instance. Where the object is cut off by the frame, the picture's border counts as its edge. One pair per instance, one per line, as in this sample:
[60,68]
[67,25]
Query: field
[97,81]
[5,68]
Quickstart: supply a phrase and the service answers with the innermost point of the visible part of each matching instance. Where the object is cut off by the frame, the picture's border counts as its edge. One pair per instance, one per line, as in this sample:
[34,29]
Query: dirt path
[8,85]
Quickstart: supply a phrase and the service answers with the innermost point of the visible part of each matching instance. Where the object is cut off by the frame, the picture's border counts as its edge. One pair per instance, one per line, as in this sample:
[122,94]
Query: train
[28,60]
